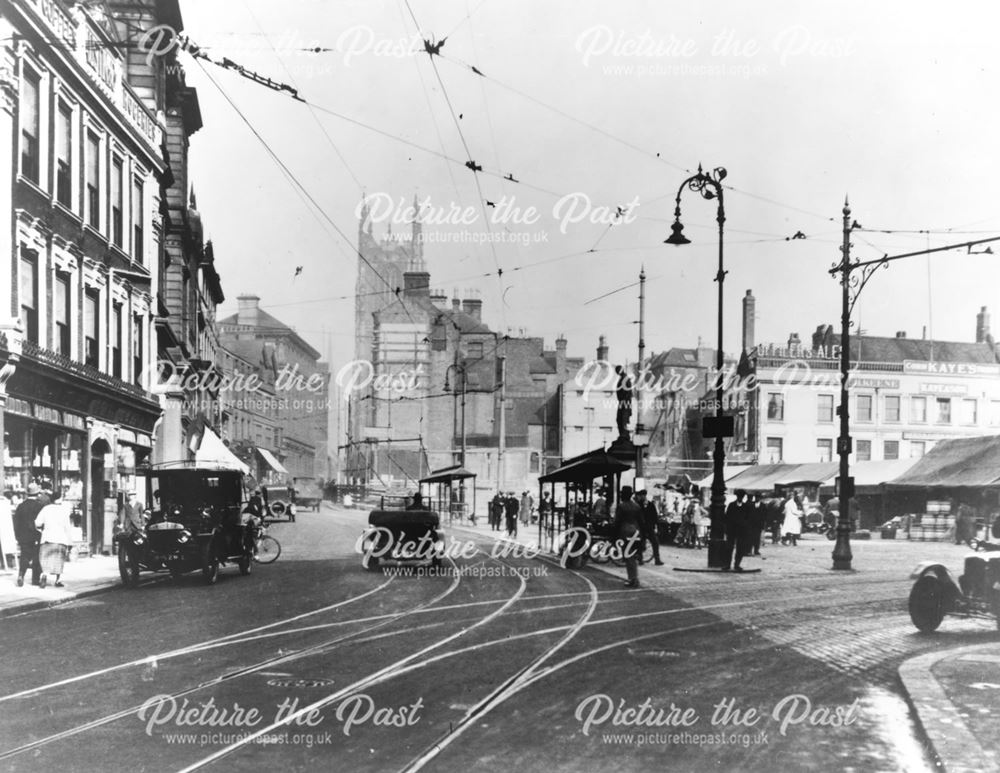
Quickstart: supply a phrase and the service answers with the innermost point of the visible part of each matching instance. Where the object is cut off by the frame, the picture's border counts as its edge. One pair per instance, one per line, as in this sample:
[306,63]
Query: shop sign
[45,413]
[951,368]
[944,389]
[18,406]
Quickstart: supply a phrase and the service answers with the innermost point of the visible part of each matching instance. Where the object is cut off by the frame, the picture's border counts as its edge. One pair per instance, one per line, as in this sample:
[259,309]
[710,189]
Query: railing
[47,357]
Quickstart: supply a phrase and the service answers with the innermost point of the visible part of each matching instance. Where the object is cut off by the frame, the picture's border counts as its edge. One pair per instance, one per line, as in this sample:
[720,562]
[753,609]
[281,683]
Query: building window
[824,411]
[62,315]
[995,413]
[91,322]
[890,449]
[918,410]
[117,202]
[30,123]
[534,462]
[917,448]
[892,408]
[116,340]
[137,349]
[864,408]
[137,220]
[29,296]
[944,410]
[92,203]
[824,447]
[64,155]
[863,451]
[475,350]
[774,448]
[967,411]
[776,407]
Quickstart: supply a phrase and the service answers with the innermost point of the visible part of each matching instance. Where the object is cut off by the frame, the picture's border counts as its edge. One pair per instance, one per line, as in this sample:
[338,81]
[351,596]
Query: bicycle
[266,548]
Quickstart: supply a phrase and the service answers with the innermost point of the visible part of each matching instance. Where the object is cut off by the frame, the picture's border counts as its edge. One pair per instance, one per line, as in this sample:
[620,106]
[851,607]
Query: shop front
[68,427]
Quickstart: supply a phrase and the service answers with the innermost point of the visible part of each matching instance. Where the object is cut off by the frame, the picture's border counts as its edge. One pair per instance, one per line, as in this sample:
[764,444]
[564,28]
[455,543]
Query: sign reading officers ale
[951,368]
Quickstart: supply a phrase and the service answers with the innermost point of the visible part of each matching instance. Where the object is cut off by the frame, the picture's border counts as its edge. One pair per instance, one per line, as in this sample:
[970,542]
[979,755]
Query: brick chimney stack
[249,308]
[417,284]
[982,326]
[602,349]
[749,308]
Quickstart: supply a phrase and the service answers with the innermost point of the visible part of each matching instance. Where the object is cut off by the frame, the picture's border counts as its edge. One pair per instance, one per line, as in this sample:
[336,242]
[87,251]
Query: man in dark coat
[512,506]
[27,535]
[496,512]
[649,523]
[737,528]
[628,527]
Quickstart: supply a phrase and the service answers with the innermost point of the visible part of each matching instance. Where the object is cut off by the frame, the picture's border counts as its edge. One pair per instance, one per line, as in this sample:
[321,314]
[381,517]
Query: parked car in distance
[308,495]
[279,502]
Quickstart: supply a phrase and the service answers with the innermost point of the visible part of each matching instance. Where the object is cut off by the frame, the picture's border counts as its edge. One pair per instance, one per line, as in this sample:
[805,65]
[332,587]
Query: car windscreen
[194,489]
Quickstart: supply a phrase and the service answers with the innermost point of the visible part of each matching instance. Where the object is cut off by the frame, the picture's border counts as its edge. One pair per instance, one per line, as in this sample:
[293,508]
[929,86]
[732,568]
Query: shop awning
[869,476]
[811,473]
[272,461]
[760,477]
[448,474]
[213,451]
[962,463]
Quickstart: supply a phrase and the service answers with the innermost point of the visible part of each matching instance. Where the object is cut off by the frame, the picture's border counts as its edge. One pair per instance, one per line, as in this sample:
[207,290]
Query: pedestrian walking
[53,521]
[649,523]
[791,526]
[511,505]
[496,512]
[628,527]
[737,530]
[757,519]
[525,508]
[27,535]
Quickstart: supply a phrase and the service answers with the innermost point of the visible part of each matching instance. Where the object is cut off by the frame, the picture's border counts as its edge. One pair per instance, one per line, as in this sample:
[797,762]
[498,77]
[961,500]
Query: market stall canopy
[272,461]
[871,475]
[804,474]
[585,468]
[727,475]
[448,474]
[760,477]
[214,452]
[962,463]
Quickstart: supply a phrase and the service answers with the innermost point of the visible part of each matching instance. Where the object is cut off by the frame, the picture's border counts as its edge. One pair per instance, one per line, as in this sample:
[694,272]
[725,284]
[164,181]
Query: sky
[591,106]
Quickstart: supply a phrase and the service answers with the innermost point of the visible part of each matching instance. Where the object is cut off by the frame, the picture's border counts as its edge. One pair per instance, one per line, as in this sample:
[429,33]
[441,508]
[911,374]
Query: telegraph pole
[503,421]
[842,556]
[639,428]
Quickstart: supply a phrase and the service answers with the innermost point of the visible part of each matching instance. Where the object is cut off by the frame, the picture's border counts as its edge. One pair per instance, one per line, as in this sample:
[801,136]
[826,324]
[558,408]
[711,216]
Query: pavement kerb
[939,719]
[17,608]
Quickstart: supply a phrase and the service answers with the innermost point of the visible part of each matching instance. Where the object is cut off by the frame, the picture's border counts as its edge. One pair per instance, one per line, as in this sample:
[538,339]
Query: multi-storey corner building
[79,275]
[301,386]
[906,394]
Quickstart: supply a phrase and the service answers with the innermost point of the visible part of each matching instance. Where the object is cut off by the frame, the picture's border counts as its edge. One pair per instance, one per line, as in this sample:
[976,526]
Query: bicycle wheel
[268,550]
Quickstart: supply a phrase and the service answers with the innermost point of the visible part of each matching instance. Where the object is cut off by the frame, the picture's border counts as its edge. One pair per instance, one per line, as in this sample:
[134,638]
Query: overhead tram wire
[277,160]
[312,110]
[432,51]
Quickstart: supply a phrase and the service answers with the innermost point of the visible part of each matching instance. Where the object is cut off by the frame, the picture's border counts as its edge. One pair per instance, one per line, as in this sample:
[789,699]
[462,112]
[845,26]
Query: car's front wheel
[209,563]
[927,604]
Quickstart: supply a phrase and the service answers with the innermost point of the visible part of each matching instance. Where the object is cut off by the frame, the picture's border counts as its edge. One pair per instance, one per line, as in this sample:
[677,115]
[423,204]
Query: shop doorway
[98,492]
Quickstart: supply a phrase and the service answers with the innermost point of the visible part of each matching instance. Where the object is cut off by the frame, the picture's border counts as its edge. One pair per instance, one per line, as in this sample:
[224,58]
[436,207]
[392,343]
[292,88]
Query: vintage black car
[403,536]
[196,521]
[936,593]
[279,502]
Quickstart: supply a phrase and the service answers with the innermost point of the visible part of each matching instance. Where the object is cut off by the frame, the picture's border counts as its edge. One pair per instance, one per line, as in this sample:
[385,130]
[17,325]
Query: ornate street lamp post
[709,185]
[460,370]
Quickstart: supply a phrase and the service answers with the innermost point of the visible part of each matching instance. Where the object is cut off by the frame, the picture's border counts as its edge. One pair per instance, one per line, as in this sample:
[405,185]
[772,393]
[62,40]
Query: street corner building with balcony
[104,275]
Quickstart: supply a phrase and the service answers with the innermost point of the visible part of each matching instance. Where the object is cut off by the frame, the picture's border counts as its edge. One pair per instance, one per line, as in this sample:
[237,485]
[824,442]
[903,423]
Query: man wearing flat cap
[27,535]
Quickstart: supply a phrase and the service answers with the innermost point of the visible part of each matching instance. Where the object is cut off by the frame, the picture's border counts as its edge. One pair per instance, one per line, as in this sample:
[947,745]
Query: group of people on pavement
[44,532]
[506,509]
